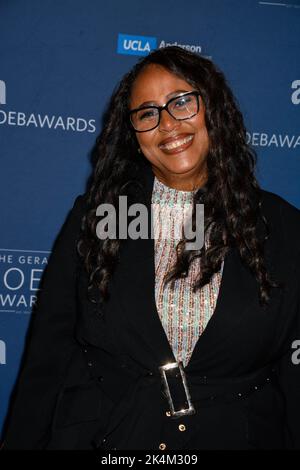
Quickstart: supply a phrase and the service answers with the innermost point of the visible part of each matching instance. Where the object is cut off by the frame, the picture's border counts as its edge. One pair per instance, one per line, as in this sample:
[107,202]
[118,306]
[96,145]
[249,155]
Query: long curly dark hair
[232,196]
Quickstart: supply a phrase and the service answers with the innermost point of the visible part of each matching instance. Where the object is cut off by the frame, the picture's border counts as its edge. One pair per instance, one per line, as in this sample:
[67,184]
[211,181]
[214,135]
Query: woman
[142,343]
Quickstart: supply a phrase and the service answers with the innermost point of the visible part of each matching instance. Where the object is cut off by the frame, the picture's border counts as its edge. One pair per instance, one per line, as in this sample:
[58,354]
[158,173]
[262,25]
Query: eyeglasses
[181,107]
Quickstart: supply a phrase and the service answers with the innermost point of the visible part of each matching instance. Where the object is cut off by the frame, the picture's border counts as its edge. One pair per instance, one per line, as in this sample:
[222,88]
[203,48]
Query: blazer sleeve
[289,380]
[50,344]
[289,364]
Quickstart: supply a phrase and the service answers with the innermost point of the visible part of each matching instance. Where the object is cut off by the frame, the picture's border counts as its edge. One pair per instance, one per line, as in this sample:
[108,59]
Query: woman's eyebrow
[169,95]
[176,92]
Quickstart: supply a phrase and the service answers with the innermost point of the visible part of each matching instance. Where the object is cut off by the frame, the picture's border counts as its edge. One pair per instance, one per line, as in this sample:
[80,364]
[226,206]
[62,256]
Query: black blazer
[91,374]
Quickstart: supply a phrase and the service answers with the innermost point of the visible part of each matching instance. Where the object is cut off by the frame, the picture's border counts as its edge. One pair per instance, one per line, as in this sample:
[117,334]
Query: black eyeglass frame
[165,106]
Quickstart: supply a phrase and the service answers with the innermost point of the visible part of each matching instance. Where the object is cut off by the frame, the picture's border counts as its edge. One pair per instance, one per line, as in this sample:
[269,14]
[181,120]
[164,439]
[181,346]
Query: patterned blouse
[183,314]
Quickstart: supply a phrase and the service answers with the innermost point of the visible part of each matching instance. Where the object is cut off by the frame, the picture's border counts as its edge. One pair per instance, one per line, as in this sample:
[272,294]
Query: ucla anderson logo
[135,45]
[2,92]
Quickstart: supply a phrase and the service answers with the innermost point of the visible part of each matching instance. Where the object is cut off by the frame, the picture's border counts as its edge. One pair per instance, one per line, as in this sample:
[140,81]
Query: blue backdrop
[59,62]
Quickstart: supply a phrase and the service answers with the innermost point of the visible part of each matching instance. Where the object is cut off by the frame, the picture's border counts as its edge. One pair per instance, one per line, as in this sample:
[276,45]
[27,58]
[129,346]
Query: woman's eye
[183,101]
[147,114]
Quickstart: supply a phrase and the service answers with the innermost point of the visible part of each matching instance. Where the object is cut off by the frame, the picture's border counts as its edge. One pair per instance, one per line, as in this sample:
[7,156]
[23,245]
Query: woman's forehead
[155,83]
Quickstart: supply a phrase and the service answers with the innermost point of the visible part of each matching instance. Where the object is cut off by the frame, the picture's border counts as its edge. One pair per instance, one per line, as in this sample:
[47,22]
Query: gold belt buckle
[170,368]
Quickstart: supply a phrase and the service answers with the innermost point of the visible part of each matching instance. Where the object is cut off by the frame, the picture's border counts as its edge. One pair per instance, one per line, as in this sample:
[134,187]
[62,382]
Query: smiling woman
[144,343]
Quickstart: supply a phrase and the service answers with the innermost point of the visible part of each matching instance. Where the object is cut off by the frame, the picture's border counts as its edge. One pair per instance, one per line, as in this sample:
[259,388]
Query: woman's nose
[167,122]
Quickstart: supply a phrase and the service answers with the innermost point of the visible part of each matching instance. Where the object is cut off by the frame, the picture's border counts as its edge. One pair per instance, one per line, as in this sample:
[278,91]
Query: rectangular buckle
[169,370]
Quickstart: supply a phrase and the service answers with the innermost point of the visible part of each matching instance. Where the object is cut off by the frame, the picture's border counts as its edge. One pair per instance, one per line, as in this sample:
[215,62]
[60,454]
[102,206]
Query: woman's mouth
[176,145]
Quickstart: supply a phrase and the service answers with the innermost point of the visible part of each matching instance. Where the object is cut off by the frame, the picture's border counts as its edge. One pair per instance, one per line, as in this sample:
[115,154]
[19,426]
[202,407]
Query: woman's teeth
[177,143]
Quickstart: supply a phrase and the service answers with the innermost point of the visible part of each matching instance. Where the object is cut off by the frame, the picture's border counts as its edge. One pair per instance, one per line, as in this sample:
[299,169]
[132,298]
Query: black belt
[182,388]
[185,391]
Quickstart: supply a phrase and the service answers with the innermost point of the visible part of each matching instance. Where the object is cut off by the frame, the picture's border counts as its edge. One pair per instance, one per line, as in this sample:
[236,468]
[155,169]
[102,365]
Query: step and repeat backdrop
[59,63]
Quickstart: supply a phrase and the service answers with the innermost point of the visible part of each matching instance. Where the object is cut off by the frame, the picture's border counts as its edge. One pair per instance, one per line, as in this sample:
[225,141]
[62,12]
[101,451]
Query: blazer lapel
[134,281]
[238,291]
[135,284]
[238,301]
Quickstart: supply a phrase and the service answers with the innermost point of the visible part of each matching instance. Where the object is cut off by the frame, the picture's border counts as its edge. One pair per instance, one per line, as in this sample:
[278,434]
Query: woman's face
[176,149]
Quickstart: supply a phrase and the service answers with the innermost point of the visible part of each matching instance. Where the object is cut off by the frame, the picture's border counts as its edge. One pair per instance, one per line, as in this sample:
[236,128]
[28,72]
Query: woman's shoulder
[80,204]
[80,200]
[283,217]
[274,204]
